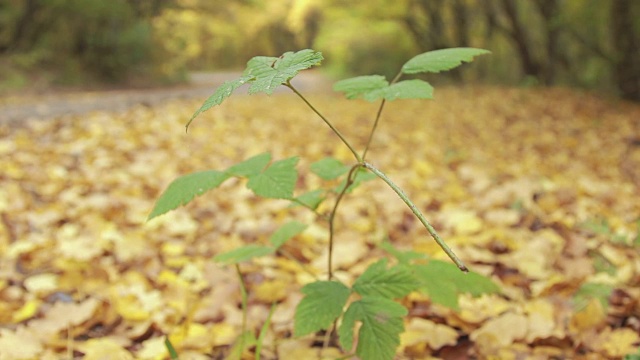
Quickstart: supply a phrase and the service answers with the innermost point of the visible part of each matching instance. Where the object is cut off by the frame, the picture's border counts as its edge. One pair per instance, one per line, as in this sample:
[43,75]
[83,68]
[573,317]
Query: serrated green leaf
[251,166]
[370,87]
[392,283]
[321,306]
[286,232]
[443,282]
[409,89]
[588,291]
[185,188]
[222,92]
[244,253]
[403,257]
[310,199]
[329,168]
[277,181]
[271,72]
[382,324]
[441,60]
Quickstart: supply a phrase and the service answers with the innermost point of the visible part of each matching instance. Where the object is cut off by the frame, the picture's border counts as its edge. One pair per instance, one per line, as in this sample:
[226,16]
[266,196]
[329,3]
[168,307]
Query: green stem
[419,215]
[353,151]
[375,123]
[332,216]
[243,293]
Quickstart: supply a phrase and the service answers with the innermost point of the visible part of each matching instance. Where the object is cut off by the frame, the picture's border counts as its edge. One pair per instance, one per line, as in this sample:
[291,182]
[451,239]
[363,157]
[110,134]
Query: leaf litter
[537,189]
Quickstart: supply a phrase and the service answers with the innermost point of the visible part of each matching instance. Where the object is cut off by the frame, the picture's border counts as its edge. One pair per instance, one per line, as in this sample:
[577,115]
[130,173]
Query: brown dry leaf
[616,343]
[21,344]
[104,348]
[500,332]
[514,180]
[423,332]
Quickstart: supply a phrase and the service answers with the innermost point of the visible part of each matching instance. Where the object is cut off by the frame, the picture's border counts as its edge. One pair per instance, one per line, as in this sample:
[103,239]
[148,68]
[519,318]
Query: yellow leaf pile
[514,180]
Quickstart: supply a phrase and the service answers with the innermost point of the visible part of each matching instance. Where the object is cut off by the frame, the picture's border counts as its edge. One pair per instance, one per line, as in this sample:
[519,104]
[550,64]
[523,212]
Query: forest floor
[18,106]
[536,189]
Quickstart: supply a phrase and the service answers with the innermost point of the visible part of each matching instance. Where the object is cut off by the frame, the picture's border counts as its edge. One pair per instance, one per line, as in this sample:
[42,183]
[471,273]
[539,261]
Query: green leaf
[370,87]
[244,253]
[251,166]
[173,354]
[392,283]
[277,181]
[185,188]
[404,257]
[588,291]
[441,60]
[443,281]
[379,335]
[311,199]
[271,72]
[329,168]
[409,89]
[321,306]
[263,331]
[286,232]
[224,91]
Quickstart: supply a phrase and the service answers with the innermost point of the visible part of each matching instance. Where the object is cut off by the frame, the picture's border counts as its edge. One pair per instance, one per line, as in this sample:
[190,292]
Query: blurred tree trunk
[25,29]
[461,17]
[426,23]
[626,42]
[549,11]
[516,31]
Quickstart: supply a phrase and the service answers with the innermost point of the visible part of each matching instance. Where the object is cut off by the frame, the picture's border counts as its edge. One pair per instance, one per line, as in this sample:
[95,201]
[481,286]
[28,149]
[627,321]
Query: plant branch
[419,215]
[375,123]
[332,216]
[353,151]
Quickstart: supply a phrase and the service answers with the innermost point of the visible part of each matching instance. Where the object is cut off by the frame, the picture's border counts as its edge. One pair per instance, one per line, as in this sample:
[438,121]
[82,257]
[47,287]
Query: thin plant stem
[332,216]
[419,215]
[353,151]
[378,114]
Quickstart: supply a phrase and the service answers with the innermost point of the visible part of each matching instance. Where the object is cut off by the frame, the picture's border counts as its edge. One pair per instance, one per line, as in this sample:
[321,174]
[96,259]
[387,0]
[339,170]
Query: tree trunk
[626,42]
[518,35]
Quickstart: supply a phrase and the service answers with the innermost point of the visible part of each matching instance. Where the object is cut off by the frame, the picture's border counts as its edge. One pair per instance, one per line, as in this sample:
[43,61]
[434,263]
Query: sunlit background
[589,44]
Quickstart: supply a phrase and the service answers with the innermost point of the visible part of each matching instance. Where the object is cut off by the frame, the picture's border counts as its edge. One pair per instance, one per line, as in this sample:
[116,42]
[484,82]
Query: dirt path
[19,108]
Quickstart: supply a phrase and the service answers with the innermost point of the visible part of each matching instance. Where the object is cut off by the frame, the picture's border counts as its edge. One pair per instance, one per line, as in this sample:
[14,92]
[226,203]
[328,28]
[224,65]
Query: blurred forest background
[590,44]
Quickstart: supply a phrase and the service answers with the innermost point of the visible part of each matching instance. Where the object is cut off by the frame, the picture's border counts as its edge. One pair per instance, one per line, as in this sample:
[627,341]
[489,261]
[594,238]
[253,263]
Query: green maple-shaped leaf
[382,324]
[441,60]
[443,282]
[185,188]
[270,72]
[277,181]
[370,87]
[329,168]
[310,199]
[409,89]
[286,232]
[224,91]
[250,167]
[244,253]
[403,257]
[392,283]
[375,87]
[322,304]
[265,74]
